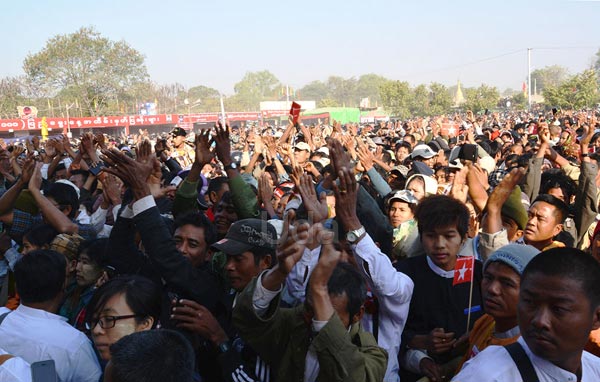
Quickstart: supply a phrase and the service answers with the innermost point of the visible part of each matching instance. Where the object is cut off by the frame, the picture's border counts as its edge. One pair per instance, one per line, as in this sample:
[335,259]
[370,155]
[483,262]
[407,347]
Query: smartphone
[554,111]
[461,138]
[487,112]
[468,152]
[95,170]
[43,371]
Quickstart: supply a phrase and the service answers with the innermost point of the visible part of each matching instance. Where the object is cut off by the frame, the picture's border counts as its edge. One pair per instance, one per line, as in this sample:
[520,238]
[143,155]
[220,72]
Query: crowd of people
[378,252]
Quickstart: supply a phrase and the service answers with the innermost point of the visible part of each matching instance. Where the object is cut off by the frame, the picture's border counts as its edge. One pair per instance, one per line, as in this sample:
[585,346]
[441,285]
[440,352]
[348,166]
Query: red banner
[11,125]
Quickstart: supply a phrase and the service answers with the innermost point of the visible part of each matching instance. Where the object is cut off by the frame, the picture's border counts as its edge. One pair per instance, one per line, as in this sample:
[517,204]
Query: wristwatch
[353,236]
[231,166]
[224,347]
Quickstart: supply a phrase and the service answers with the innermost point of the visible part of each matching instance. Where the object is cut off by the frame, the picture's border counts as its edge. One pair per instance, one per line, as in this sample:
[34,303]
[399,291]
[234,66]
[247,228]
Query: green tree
[580,91]
[314,91]
[597,62]
[518,101]
[203,99]
[419,101]
[481,98]
[254,88]
[88,67]
[368,87]
[328,102]
[548,76]
[440,100]
[343,91]
[396,97]
[12,94]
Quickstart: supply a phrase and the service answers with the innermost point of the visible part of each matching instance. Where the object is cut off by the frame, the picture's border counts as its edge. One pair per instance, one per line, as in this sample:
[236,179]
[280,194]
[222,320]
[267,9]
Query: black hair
[485,145]
[216,184]
[440,211]
[142,295]
[198,219]
[95,249]
[561,210]
[64,195]
[152,356]
[40,235]
[558,179]
[346,279]
[568,263]
[40,276]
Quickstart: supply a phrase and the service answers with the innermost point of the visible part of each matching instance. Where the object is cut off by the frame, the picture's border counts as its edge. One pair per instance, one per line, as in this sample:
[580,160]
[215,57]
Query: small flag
[463,270]
[295,112]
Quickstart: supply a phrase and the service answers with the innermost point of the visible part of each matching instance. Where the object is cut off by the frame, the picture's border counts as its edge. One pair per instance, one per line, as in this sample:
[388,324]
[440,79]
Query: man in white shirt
[35,332]
[559,304]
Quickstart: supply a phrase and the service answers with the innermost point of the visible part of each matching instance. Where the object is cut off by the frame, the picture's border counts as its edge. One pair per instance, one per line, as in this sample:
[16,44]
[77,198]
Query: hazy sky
[215,43]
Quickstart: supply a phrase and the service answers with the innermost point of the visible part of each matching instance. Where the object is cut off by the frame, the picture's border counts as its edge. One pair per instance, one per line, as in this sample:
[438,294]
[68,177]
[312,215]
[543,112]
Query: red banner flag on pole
[463,270]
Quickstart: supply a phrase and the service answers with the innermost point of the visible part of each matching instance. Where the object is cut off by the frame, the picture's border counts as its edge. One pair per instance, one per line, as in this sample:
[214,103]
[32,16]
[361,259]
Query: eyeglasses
[107,322]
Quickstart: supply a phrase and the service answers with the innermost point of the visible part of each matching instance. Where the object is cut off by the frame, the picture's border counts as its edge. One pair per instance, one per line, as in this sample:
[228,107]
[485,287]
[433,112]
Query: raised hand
[316,208]
[204,154]
[223,145]
[197,319]
[133,173]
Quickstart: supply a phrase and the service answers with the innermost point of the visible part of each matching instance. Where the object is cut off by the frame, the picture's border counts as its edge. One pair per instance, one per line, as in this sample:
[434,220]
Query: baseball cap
[403,195]
[178,131]
[248,234]
[403,170]
[302,146]
[423,151]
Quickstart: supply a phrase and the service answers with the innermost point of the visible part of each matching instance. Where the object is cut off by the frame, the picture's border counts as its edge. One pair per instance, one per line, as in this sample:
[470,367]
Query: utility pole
[529,77]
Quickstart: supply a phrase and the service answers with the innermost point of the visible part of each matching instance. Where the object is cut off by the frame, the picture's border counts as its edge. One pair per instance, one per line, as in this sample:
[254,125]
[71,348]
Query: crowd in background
[394,251]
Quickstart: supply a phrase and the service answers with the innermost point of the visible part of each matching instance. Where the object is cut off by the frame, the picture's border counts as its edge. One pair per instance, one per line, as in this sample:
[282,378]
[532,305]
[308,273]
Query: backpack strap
[520,358]
[3,316]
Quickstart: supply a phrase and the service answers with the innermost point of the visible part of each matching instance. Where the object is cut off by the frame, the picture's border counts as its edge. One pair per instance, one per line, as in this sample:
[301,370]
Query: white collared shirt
[14,369]
[494,364]
[393,290]
[36,335]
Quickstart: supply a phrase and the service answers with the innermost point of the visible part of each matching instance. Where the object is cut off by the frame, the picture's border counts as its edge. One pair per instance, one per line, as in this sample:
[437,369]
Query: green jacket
[243,198]
[282,339]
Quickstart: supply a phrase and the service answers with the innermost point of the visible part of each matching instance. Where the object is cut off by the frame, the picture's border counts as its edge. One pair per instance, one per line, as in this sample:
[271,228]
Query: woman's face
[87,272]
[399,213]
[116,306]
[28,247]
[417,186]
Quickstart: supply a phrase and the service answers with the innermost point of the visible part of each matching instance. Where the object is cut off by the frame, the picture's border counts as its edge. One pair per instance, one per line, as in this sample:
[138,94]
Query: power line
[466,64]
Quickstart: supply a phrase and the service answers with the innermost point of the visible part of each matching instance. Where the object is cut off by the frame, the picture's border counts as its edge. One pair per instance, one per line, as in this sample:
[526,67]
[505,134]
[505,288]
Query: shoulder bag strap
[520,358]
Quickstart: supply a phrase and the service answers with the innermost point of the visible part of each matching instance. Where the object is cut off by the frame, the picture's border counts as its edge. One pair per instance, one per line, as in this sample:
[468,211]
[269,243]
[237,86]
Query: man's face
[301,156]
[190,241]
[77,180]
[402,153]
[500,291]
[242,268]
[340,305]
[564,136]
[178,140]
[442,246]
[399,213]
[558,192]
[225,215]
[555,317]
[542,224]
[60,174]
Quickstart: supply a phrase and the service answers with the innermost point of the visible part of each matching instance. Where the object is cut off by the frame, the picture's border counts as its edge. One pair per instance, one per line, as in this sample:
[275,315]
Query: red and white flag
[463,270]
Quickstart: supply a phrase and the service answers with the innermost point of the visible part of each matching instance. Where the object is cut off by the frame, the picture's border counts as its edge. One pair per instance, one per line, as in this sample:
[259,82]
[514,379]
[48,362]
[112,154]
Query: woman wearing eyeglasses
[123,305]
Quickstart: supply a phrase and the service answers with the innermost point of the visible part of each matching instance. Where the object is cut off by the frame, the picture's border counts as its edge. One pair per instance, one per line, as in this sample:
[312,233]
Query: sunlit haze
[216,43]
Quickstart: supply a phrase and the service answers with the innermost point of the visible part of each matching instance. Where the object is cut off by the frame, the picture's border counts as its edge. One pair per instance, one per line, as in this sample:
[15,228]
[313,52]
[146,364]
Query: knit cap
[516,256]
